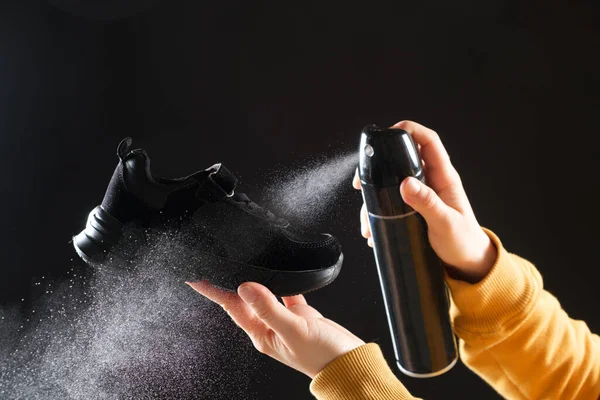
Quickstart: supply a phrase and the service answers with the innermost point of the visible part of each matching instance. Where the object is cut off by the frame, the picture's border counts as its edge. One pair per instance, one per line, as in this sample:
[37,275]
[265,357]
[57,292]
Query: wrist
[361,373]
[479,264]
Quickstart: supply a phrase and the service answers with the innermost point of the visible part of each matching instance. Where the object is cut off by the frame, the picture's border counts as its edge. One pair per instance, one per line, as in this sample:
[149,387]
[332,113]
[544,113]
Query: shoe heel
[102,232]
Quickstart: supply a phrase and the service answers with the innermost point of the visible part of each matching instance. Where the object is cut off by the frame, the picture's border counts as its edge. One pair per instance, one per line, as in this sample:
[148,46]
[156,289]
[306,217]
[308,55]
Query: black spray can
[410,273]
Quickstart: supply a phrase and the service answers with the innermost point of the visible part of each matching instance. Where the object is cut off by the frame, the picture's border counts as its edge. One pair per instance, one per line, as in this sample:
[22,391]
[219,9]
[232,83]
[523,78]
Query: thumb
[269,310]
[425,201]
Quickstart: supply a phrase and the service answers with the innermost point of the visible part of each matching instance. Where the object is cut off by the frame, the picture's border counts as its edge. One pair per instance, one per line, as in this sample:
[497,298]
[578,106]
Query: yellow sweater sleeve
[362,374]
[516,336]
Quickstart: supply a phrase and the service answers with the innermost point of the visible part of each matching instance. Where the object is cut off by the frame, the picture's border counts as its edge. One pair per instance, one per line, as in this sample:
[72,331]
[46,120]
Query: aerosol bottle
[410,273]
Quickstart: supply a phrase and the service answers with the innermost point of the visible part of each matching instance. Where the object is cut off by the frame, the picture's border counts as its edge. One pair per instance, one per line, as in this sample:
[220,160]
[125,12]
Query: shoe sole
[102,232]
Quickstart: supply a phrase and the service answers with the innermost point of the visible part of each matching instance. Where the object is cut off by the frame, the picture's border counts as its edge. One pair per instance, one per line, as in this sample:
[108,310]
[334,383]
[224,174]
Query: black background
[512,88]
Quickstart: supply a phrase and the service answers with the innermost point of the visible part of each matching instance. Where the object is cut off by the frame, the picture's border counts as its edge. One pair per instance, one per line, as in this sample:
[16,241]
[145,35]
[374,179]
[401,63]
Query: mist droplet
[307,193]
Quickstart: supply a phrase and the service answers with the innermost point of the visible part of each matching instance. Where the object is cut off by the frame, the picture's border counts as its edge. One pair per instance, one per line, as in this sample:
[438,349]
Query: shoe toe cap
[314,250]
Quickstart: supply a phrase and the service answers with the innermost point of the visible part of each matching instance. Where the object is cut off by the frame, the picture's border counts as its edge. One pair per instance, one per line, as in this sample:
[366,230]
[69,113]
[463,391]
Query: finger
[370,242]
[290,301]
[269,310]
[440,171]
[426,202]
[212,293]
[426,138]
[365,228]
[240,312]
[356,181]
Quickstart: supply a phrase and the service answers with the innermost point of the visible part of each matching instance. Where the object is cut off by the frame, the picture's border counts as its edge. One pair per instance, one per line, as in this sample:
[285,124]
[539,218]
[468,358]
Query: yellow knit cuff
[499,301]
[361,374]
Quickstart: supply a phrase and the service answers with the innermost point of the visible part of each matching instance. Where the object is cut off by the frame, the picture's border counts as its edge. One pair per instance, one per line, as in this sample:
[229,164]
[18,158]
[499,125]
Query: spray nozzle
[387,156]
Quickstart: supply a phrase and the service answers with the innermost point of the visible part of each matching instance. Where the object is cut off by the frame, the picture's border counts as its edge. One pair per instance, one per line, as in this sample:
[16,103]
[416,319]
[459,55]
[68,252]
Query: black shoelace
[242,198]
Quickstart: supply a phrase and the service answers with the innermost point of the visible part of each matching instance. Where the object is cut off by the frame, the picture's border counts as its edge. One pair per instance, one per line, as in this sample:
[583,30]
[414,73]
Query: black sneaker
[227,238]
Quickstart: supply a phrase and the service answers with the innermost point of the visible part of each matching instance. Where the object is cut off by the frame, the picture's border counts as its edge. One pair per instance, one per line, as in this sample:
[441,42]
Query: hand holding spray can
[410,273]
